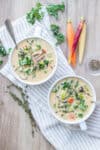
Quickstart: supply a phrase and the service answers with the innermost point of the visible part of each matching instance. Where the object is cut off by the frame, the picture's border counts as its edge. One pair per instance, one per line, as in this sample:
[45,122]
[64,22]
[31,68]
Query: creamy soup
[33,60]
[71,99]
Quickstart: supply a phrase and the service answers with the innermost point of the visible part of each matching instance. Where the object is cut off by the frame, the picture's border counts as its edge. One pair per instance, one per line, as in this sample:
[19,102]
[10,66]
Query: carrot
[70,100]
[70,39]
[73,58]
[82,43]
[77,36]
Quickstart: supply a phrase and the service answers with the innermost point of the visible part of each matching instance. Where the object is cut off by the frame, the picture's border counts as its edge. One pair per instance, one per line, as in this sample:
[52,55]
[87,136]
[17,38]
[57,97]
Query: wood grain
[15,127]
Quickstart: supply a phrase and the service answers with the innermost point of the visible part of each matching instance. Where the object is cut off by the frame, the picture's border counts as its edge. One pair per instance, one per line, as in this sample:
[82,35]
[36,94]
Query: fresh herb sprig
[2,53]
[35,14]
[1,62]
[53,9]
[23,103]
[59,36]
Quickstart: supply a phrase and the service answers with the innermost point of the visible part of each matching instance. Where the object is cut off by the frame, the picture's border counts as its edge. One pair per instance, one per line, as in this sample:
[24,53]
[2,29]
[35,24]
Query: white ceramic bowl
[82,121]
[40,82]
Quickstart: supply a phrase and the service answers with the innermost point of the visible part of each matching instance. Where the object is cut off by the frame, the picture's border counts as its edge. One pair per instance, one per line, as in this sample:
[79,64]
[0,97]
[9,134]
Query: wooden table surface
[15,127]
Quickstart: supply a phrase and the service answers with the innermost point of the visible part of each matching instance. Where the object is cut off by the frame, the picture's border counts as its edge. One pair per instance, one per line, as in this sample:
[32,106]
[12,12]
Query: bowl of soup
[34,61]
[72,99]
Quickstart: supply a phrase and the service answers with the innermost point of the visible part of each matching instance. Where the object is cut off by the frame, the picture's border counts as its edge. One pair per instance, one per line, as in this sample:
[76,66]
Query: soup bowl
[35,82]
[81,122]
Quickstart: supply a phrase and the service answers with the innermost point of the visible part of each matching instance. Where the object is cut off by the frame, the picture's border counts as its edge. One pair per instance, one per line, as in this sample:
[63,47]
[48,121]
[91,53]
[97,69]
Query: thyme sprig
[23,103]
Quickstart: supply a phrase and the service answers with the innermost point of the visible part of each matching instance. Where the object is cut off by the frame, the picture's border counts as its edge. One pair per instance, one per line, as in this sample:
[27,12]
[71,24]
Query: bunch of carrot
[76,40]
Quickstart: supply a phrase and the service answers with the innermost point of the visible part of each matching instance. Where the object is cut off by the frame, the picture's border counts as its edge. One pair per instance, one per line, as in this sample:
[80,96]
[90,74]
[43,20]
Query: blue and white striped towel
[61,137]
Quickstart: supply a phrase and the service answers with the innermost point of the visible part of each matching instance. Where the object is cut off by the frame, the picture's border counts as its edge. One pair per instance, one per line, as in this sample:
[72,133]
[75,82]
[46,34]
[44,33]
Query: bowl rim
[77,121]
[48,77]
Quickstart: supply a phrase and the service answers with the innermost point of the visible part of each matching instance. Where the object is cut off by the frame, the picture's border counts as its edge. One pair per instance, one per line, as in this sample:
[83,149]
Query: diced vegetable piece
[70,109]
[63,95]
[83,107]
[77,83]
[82,101]
[46,62]
[41,65]
[82,43]
[25,61]
[66,85]
[75,106]
[28,71]
[81,97]
[70,100]
[38,47]
[80,115]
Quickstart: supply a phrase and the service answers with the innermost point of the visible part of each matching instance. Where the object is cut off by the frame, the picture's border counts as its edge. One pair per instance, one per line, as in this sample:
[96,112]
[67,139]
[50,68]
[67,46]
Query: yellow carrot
[82,43]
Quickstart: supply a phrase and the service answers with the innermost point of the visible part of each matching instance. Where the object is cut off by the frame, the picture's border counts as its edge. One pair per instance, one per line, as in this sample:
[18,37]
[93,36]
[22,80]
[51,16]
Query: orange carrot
[70,39]
[70,100]
[74,59]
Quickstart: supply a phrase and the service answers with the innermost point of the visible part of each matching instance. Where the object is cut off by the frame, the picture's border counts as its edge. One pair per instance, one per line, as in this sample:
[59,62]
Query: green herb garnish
[83,107]
[77,83]
[25,61]
[66,85]
[55,29]
[75,106]
[28,71]
[46,62]
[38,47]
[35,14]
[80,115]
[1,62]
[53,9]
[59,36]
[2,51]
[41,65]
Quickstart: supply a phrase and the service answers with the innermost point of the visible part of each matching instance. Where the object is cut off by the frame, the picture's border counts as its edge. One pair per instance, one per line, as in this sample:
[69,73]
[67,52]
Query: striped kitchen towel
[60,136]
